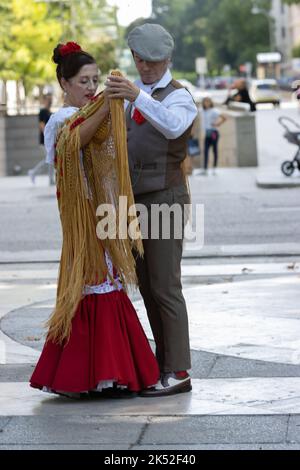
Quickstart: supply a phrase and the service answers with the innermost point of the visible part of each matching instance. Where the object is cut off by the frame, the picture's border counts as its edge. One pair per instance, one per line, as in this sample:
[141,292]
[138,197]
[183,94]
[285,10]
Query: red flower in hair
[69,48]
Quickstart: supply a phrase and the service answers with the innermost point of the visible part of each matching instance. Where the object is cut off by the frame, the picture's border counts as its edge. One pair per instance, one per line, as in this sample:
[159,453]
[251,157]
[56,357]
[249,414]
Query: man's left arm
[172,117]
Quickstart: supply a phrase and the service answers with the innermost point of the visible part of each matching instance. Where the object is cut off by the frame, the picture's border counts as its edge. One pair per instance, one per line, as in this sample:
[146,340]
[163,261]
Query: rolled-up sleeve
[173,116]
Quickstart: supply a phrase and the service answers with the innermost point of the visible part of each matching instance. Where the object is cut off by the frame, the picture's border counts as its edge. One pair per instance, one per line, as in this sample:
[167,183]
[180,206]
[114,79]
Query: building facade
[280,12]
[294,26]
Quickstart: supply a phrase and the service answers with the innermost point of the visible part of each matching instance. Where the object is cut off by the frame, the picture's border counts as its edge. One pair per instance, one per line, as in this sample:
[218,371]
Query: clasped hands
[120,87]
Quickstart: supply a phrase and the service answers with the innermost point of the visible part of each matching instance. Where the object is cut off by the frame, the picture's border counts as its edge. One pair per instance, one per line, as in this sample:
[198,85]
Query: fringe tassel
[104,178]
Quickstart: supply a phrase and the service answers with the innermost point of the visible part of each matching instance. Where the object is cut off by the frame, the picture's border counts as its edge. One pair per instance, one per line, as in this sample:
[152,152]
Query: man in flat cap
[160,114]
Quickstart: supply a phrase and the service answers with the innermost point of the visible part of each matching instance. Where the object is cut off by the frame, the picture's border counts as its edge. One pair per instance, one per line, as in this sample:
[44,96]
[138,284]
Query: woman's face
[82,87]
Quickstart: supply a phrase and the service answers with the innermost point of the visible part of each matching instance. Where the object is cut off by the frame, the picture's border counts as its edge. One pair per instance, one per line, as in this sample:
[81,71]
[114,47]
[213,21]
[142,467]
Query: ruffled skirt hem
[107,348]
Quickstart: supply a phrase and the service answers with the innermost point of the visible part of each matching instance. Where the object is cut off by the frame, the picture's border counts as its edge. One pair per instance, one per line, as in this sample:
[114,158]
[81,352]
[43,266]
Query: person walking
[160,114]
[95,343]
[44,116]
[240,94]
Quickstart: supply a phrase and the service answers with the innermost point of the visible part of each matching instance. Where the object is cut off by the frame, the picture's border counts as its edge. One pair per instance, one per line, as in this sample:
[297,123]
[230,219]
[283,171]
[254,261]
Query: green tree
[234,34]
[82,23]
[296,51]
[184,19]
[25,47]
[225,31]
[30,29]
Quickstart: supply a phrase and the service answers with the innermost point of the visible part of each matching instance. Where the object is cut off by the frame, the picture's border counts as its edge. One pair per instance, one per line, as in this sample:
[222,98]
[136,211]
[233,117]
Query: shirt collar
[162,83]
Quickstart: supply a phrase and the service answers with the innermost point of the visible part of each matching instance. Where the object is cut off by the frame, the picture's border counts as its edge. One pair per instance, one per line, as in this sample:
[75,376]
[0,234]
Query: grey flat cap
[151,42]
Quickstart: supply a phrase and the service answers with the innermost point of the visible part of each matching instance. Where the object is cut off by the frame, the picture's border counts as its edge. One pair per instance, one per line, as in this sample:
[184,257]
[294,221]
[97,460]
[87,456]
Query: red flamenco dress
[107,347]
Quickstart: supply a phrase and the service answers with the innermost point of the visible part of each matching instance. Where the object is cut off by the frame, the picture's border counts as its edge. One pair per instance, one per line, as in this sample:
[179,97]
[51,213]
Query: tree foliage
[30,34]
[30,29]
[225,31]
[234,34]
[291,2]
[82,22]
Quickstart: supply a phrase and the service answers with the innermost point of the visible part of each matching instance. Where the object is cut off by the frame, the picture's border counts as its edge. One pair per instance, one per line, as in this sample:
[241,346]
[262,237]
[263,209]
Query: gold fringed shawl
[99,176]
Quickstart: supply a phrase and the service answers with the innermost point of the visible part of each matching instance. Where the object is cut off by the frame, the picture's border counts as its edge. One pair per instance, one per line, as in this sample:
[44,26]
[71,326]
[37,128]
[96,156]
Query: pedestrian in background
[211,120]
[241,94]
[44,116]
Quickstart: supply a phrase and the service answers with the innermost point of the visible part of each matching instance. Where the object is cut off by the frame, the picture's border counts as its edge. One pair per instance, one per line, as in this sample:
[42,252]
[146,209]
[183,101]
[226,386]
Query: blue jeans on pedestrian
[211,140]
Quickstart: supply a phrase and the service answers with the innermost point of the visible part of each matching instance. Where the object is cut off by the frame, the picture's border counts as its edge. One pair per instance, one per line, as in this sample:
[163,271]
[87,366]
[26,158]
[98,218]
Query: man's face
[150,72]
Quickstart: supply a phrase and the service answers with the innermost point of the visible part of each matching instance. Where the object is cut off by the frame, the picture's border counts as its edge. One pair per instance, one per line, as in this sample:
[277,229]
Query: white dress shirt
[173,115]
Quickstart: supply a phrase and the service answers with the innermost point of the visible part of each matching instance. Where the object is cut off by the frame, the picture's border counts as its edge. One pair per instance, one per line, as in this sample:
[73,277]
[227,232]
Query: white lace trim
[102,385]
[106,286]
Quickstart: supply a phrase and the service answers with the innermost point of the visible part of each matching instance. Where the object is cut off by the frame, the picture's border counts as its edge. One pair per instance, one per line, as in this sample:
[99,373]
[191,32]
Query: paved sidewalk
[244,326]
[246,381]
[273,178]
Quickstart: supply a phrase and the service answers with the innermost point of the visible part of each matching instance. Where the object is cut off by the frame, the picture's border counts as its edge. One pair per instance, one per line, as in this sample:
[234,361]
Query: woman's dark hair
[69,65]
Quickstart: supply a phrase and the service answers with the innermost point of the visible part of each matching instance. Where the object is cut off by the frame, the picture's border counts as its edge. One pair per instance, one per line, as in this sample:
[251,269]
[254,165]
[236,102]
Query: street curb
[243,251]
[273,185]
[266,179]
[211,251]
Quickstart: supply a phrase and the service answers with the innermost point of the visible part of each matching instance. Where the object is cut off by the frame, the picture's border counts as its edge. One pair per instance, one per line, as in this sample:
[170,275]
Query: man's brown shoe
[168,385]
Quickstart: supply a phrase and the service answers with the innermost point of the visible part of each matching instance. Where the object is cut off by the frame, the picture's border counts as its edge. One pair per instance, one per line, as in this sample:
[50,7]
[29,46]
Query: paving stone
[293,435]
[228,366]
[15,372]
[219,447]
[216,430]
[65,447]
[4,420]
[86,430]
[204,364]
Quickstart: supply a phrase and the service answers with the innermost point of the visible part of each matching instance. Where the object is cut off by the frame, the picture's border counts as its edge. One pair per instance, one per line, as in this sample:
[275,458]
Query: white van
[265,91]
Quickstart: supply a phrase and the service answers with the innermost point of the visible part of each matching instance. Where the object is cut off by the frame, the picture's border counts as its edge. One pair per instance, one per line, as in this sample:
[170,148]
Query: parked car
[265,91]
[285,83]
[187,84]
[196,93]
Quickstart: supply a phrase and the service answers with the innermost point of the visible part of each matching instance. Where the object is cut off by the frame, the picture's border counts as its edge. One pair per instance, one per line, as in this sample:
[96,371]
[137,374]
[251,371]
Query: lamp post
[260,11]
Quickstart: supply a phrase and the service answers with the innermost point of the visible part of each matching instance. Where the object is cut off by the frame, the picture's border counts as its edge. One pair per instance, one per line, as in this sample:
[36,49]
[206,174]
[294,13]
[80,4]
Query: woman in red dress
[95,343]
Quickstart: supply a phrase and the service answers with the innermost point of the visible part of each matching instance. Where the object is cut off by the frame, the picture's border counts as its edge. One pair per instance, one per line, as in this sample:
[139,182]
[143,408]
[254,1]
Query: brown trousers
[159,275]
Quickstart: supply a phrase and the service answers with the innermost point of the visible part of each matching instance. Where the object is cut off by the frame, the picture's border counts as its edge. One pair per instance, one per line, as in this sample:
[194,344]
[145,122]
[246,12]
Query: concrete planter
[19,144]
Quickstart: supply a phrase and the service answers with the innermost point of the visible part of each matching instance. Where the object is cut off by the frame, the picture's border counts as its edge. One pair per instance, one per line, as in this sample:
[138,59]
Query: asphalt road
[236,211]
